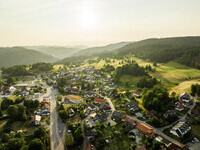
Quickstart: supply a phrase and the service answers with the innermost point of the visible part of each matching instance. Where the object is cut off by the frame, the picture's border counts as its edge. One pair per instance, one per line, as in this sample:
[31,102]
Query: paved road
[57,140]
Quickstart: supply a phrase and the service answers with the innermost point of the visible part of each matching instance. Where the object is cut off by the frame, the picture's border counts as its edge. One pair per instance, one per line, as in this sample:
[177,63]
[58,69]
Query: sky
[95,22]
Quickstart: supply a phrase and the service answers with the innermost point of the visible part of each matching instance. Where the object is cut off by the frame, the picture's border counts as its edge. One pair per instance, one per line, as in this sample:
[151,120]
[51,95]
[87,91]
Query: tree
[63,114]
[10,81]
[22,113]
[5,103]
[15,144]
[59,98]
[40,132]
[13,112]
[155,64]
[156,98]
[36,144]
[156,145]
[69,140]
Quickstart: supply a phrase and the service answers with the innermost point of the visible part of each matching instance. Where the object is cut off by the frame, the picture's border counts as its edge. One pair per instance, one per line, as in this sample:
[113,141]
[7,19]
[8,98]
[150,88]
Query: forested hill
[19,55]
[186,50]
[101,49]
[56,51]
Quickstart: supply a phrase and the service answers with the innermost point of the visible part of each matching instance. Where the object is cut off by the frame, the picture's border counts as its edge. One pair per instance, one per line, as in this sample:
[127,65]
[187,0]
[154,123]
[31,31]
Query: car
[196,140]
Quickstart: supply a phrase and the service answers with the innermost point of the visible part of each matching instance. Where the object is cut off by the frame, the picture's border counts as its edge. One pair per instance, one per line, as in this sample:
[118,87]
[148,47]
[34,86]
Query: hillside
[166,49]
[57,51]
[19,55]
[101,49]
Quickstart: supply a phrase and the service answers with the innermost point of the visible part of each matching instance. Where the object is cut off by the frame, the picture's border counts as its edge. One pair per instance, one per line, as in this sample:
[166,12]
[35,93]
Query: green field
[172,74]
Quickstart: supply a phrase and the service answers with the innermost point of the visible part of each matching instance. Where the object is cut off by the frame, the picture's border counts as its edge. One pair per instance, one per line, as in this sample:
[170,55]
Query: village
[82,108]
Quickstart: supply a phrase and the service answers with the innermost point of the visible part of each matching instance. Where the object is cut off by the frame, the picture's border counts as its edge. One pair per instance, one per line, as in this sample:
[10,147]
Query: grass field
[184,86]
[172,74]
[131,79]
[74,98]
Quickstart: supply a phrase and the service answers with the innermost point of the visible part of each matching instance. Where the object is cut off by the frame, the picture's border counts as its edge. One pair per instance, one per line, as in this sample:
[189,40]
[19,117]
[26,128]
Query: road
[57,139]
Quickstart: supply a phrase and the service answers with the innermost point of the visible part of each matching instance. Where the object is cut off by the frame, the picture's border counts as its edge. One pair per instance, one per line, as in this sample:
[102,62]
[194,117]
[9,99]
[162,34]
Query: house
[105,107]
[91,133]
[139,115]
[185,97]
[137,94]
[152,113]
[180,129]
[145,129]
[91,106]
[169,113]
[87,111]
[36,96]
[141,148]
[99,101]
[132,107]
[36,119]
[118,116]
[71,112]
[12,89]
[46,98]
[91,147]
[130,121]
[180,106]
[101,117]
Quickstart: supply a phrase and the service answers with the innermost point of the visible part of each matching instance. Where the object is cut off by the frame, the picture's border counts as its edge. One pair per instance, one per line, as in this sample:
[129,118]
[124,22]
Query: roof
[145,129]
[99,100]
[184,96]
[129,120]
[91,147]
[141,148]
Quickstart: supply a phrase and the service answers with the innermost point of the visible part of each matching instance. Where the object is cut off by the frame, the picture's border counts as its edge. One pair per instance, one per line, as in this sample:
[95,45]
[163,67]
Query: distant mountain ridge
[57,51]
[101,49]
[10,56]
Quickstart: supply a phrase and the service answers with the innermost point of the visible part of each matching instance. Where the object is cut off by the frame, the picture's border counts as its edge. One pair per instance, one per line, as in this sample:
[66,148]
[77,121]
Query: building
[132,107]
[99,101]
[185,97]
[145,129]
[180,106]
[118,116]
[169,113]
[180,129]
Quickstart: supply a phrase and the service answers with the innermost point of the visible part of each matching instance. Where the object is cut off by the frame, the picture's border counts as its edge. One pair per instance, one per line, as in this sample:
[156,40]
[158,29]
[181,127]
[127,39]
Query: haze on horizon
[95,22]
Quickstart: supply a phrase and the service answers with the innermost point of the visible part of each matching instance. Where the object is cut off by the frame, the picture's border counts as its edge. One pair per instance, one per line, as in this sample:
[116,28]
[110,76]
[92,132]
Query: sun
[88,17]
